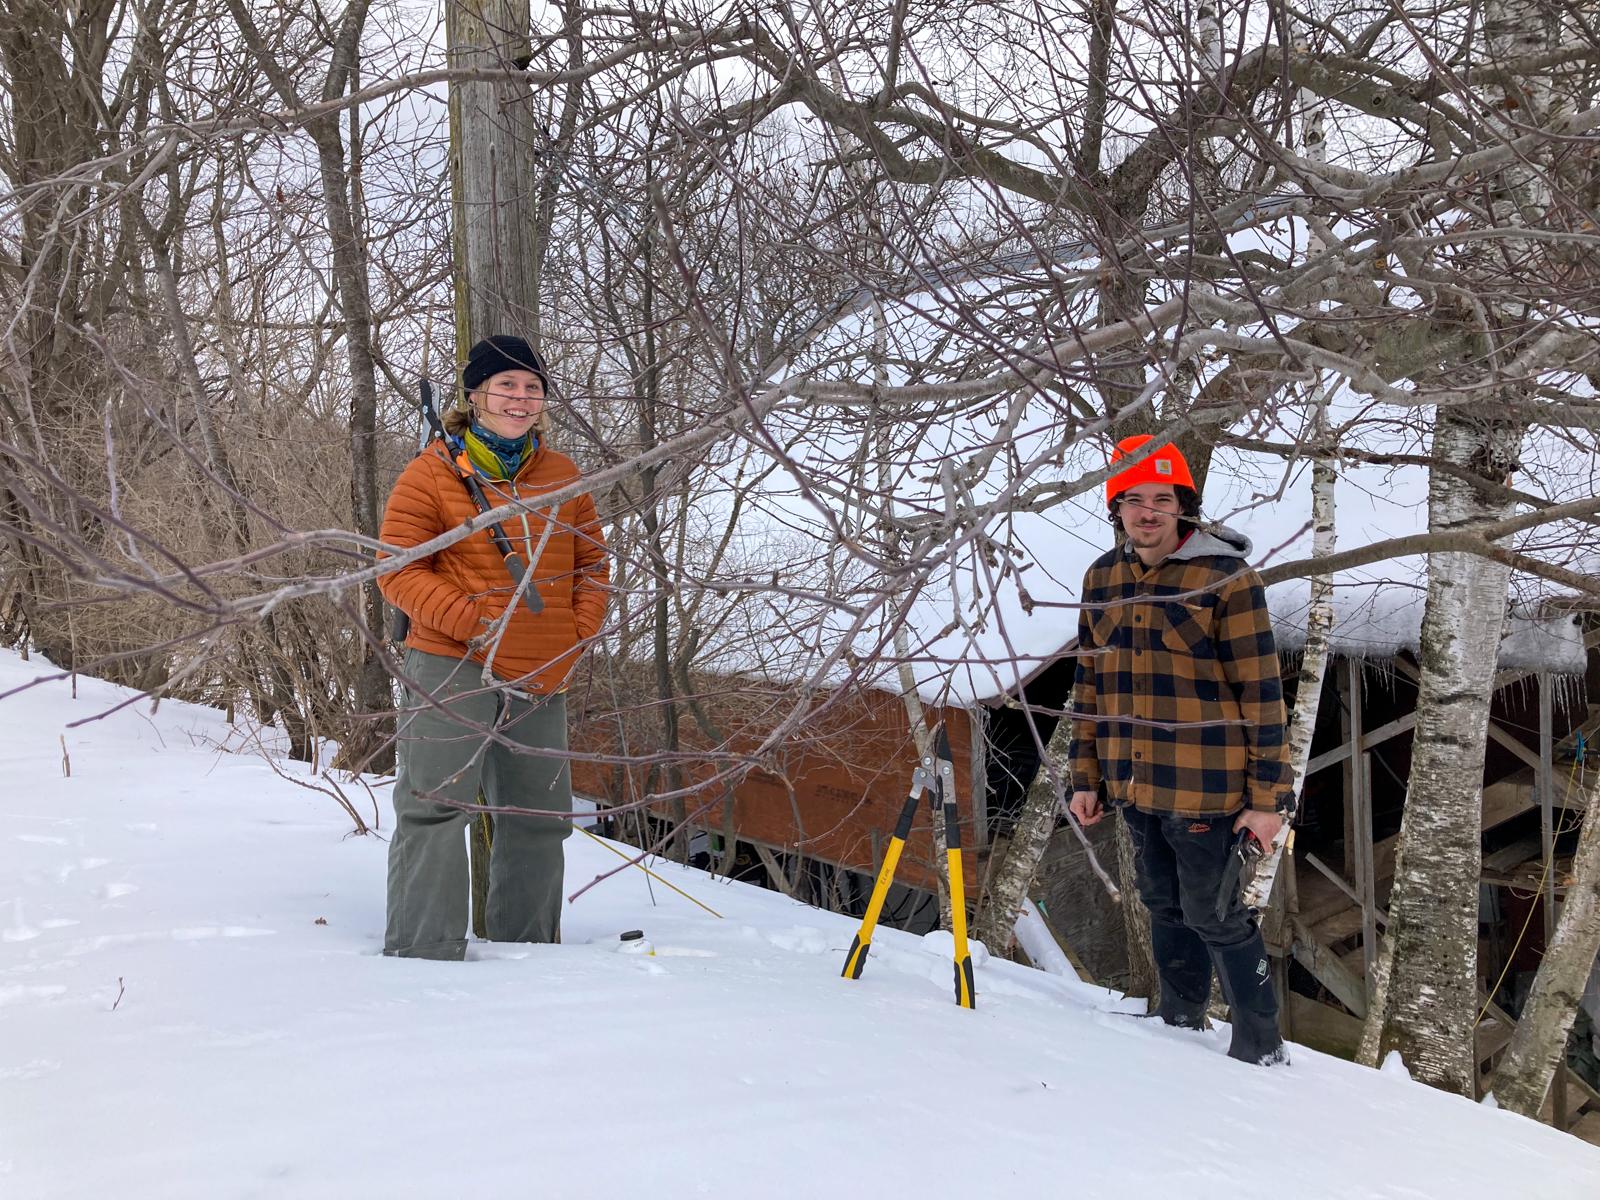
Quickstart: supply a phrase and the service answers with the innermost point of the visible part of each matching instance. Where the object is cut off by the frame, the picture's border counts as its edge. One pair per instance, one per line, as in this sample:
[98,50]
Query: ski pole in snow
[936,776]
[636,863]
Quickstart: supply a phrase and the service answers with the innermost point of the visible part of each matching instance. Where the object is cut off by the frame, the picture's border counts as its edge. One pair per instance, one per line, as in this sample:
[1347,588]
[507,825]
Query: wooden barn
[813,819]
[814,816]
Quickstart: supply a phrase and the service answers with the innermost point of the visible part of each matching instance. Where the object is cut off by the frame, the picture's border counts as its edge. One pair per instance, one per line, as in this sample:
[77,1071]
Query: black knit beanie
[503,352]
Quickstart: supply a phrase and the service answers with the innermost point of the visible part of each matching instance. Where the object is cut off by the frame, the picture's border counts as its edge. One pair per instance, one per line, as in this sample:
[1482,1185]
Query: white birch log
[1259,891]
[1426,978]
[1012,875]
[1039,944]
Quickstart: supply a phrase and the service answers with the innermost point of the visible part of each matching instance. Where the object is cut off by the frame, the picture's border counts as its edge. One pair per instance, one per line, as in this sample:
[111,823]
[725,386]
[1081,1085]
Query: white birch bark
[1207,170]
[1319,617]
[1313,669]
[995,926]
[1427,976]
[1013,872]
[1039,944]
[1537,1050]
[1426,982]
[1538,1046]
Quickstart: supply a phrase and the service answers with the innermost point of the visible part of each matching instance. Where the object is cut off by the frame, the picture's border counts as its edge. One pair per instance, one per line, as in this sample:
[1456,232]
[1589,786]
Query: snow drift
[192,1004]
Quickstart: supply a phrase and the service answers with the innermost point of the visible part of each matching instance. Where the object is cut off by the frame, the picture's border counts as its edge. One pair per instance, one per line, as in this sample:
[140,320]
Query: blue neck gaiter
[508,453]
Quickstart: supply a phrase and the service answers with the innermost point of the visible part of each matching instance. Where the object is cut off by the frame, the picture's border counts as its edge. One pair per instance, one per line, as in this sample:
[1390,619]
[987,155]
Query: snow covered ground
[192,1004]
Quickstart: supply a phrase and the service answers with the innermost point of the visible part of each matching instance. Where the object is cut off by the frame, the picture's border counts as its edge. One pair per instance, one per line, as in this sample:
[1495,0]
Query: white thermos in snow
[634,942]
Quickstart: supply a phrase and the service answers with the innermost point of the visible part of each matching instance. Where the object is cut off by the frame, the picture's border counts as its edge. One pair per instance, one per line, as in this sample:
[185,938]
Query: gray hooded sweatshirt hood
[1218,541]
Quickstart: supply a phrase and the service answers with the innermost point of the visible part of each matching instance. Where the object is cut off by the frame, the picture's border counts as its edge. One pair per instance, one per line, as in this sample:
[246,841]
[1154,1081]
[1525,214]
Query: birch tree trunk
[1517,29]
[1313,670]
[1427,977]
[1319,617]
[1019,862]
[1539,1044]
[1324,541]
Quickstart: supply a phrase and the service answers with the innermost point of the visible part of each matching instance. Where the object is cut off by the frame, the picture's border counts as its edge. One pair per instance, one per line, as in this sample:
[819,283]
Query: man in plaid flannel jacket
[1179,670]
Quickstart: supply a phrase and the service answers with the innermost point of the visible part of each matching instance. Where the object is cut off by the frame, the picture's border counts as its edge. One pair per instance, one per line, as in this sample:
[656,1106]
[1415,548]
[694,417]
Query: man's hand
[1086,807]
[1264,825]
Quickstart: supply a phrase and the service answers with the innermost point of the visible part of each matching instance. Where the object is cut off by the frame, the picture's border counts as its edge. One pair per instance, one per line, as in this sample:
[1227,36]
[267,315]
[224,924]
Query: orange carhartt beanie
[1166,465]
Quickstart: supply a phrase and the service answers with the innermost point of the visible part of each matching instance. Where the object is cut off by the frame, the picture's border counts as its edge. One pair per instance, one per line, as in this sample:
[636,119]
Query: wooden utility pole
[495,141]
[494,146]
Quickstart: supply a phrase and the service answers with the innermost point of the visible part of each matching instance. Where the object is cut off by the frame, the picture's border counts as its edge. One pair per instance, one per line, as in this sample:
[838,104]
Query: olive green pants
[444,758]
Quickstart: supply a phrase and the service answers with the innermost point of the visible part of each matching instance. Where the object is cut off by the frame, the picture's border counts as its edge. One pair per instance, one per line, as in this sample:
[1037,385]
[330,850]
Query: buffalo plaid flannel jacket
[1184,649]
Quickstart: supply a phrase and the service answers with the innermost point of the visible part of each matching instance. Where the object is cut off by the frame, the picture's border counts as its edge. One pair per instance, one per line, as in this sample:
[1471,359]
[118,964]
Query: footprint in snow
[21,993]
[31,1069]
[115,891]
[801,939]
[203,932]
[19,930]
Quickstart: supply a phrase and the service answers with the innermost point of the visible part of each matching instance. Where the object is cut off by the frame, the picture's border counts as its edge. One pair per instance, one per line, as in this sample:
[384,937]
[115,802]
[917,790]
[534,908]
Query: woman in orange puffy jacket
[487,712]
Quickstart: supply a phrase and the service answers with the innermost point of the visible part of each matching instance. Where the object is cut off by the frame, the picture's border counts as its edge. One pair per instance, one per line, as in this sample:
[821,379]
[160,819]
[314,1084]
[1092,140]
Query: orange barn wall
[850,771]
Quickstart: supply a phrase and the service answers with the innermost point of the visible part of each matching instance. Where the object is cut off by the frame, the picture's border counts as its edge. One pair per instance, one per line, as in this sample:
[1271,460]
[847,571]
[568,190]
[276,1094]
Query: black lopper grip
[399,625]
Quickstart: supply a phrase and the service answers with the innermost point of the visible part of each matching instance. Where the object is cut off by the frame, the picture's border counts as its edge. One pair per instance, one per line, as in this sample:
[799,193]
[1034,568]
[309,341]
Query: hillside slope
[192,1004]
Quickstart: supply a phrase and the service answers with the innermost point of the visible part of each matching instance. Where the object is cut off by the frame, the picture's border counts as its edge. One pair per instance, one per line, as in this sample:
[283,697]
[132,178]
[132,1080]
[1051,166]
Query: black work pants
[1179,862]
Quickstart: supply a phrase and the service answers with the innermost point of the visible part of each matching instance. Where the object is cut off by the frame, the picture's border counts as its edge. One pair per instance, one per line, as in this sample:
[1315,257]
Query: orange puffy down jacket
[454,595]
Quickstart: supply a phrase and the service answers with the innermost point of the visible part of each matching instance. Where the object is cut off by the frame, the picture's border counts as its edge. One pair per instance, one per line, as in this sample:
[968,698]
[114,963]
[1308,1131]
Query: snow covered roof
[977,627]
[976,631]
[1377,609]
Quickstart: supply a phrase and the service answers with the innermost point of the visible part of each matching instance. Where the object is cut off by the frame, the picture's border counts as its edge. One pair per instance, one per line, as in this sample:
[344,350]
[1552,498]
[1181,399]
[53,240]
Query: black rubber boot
[1253,1005]
[1185,970]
